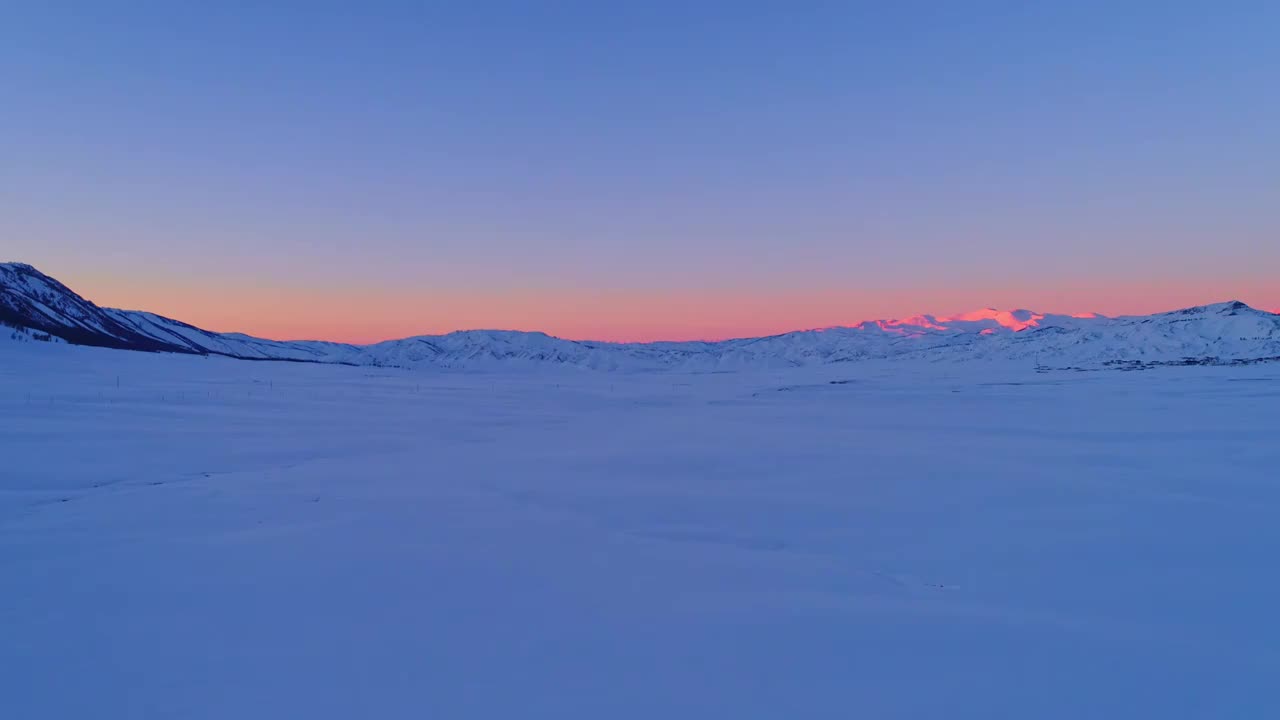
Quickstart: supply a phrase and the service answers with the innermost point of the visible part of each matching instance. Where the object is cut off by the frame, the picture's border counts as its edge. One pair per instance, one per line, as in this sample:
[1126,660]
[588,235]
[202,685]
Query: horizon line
[1013,319]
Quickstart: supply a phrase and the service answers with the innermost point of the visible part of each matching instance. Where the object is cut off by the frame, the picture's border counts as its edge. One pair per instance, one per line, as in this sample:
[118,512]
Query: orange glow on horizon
[371,314]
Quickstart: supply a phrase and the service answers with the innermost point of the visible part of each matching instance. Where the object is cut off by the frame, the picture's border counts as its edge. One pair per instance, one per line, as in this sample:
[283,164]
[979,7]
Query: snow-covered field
[188,537]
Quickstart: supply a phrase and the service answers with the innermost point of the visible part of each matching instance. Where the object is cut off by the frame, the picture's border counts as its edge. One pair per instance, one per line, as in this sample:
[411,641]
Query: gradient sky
[365,170]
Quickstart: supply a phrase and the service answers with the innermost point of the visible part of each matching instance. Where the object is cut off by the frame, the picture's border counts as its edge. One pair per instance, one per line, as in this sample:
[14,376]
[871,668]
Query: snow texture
[201,537]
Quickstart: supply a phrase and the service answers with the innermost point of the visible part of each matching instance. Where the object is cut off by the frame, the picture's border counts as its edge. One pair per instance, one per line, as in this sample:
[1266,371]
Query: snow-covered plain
[192,537]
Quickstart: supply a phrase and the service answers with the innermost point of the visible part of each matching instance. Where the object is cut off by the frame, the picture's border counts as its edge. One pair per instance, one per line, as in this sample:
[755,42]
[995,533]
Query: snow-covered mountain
[36,306]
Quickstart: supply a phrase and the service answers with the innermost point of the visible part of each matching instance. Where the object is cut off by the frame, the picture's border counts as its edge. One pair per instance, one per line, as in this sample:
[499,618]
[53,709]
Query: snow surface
[200,537]
[21,334]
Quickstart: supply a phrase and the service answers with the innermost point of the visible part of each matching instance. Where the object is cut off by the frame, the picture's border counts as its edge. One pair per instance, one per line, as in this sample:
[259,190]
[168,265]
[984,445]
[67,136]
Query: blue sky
[571,166]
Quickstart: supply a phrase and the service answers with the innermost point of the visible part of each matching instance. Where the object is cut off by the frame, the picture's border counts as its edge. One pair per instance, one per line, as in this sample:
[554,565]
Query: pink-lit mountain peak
[1012,319]
[986,321]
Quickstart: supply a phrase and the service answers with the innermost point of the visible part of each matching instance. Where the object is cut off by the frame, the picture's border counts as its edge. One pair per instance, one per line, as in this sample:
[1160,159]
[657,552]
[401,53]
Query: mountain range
[35,306]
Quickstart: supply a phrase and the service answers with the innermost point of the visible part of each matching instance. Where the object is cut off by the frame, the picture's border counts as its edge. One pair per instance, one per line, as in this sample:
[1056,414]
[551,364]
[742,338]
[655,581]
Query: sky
[360,171]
